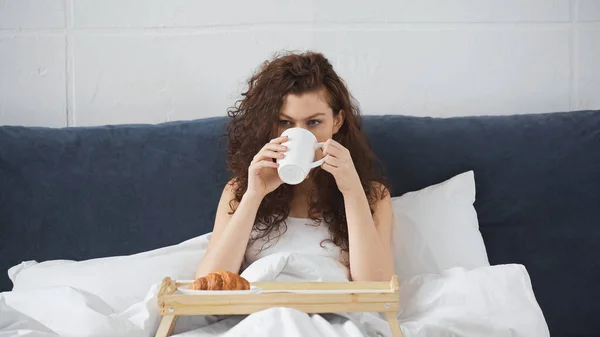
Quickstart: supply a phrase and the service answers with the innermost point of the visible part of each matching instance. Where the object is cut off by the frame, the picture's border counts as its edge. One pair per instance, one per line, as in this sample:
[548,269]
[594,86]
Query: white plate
[185,290]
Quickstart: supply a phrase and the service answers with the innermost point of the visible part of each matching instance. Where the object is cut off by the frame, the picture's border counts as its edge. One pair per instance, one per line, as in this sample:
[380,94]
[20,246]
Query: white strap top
[302,236]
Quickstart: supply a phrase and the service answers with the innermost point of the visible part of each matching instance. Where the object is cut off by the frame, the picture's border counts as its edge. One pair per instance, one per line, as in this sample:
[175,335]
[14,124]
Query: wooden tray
[328,297]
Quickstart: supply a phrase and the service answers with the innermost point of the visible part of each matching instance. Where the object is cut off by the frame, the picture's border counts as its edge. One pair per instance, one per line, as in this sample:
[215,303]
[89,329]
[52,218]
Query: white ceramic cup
[298,159]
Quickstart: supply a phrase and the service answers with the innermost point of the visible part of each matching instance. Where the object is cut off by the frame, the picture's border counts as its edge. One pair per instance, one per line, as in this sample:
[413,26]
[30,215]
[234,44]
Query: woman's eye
[284,122]
[314,122]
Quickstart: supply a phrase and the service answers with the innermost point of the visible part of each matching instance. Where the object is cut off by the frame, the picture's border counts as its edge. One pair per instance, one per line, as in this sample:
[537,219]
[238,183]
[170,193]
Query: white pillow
[436,229]
[489,301]
[120,281]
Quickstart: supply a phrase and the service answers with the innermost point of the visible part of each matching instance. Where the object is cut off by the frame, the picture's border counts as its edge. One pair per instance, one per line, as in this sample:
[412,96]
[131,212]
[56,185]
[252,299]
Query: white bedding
[486,301]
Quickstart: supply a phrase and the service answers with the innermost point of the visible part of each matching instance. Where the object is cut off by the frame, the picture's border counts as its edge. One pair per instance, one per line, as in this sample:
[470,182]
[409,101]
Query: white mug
[298,159]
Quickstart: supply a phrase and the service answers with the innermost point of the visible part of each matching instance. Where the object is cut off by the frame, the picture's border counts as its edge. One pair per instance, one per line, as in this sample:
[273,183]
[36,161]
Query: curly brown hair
[254,120]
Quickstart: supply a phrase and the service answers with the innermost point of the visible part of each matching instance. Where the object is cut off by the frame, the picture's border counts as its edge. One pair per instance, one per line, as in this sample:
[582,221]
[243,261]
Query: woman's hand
[262,173]
[338,162]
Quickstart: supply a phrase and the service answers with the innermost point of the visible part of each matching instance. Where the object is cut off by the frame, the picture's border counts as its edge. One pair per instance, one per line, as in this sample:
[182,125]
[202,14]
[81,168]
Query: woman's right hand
[262,173]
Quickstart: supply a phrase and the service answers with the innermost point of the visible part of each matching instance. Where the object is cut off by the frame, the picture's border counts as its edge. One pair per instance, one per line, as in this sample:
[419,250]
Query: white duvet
[487,301]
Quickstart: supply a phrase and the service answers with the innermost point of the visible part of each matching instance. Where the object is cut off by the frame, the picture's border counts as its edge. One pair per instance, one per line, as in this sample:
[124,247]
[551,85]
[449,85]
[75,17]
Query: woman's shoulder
[380,190]
[232,185]
[229,193]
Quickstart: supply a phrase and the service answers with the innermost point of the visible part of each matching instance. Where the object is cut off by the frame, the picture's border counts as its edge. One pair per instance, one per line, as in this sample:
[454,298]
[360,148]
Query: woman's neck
[301,190]
[299,207]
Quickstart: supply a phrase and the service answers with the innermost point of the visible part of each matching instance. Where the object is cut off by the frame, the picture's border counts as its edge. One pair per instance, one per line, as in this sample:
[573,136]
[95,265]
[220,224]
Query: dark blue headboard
[81,193]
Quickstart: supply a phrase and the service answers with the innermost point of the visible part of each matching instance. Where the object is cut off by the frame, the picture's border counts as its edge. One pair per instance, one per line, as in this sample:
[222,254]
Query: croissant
[220,280]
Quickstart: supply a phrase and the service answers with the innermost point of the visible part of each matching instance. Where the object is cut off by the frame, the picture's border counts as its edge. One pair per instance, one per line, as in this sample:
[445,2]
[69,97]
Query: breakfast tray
[309,297]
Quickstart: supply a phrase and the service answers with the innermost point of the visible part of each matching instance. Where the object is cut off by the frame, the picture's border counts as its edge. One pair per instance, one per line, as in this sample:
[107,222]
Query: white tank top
[302,236]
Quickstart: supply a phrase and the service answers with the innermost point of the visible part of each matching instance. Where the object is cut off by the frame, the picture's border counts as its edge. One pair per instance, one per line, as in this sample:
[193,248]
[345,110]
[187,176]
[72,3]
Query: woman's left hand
[338,162]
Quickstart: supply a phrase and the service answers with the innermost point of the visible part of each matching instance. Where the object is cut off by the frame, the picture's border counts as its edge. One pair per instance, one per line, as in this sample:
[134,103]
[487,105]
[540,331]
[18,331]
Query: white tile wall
[436,11]
[31,14]
[187,13]
[588,68]
[588,10]
[149,61]
[454,72]
[32,80]
[188,76]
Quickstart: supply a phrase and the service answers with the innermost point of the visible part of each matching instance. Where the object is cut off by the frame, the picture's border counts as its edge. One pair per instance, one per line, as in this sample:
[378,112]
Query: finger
[274,147]
[327,167]
[333,161]
[335,144]
[330,150]
[278,140]
[267,154]
[263,164]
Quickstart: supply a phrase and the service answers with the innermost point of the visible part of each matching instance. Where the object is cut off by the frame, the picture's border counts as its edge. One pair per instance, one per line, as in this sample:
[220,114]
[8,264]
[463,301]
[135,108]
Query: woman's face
[309,111]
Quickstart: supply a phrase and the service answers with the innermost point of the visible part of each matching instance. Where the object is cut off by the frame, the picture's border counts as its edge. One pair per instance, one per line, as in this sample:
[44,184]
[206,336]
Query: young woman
[342,210]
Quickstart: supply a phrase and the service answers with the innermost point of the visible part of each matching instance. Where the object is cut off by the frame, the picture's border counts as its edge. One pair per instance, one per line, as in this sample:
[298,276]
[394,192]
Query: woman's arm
[369,237]
[231,233]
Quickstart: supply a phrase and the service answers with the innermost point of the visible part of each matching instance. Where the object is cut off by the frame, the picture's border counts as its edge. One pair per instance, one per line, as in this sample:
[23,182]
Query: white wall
[92,62]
